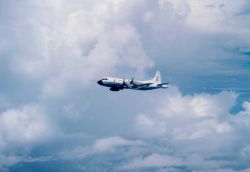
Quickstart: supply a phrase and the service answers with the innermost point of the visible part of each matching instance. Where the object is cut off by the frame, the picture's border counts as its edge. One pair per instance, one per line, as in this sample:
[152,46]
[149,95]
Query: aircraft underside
[120,88]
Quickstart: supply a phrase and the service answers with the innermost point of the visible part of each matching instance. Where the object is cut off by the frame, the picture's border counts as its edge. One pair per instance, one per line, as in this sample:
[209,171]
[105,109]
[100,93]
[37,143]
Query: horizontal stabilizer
[163,85]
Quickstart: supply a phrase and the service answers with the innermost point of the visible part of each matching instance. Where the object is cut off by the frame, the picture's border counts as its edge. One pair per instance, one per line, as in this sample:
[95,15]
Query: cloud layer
[52,114]
[189,117]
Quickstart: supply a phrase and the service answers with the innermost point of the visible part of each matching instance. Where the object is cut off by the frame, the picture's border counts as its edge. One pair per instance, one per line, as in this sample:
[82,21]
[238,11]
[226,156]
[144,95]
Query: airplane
[117,84]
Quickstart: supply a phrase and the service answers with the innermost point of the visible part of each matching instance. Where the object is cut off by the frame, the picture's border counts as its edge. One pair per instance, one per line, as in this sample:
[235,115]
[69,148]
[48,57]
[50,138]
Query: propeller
[124,83]
[132,81]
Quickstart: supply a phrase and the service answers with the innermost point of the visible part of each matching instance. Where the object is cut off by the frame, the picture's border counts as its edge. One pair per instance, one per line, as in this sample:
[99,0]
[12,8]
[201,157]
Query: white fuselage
[117,84]
[126,84]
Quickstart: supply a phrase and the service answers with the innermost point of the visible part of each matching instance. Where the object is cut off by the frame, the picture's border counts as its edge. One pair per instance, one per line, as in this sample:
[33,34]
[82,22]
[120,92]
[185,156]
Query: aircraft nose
[100,82]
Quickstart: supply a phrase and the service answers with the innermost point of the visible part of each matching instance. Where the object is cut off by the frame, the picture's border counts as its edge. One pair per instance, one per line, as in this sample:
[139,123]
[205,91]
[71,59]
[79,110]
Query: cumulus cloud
[100,146]
[246,111]
[189,117]
[84,41]
[50,49]
[200,128]
[91,38]
[218,16]
[20,128]
[26,125]
[179,146]
[186,132]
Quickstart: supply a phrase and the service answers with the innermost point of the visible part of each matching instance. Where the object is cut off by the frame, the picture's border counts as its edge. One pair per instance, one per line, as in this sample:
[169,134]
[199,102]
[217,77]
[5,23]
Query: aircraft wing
[142,85]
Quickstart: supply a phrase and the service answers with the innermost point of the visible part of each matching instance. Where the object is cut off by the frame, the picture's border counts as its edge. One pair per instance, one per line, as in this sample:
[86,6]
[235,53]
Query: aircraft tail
[157,77]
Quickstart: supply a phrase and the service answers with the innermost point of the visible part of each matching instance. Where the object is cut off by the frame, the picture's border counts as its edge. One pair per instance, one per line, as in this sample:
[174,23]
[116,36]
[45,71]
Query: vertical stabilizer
[157,78]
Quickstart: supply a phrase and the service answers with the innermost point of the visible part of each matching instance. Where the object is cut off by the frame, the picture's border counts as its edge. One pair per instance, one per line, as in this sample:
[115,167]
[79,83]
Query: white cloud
[24,125]
[210,16]
[60,44]
[164,162]
[100,146]
[152,161]
[241,119]
[85,41]
[188,117]
[201,130]
[89,39]
[213,15]
[246,111]
[20,129]
[107,144]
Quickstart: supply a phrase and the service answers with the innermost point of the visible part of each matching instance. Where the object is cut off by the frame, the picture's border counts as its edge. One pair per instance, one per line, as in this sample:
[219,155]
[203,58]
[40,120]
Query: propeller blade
[126,84]
[123,82]
[132,81]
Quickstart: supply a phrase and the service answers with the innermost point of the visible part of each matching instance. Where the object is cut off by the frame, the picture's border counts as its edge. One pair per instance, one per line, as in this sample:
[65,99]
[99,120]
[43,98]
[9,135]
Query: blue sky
[54,117]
